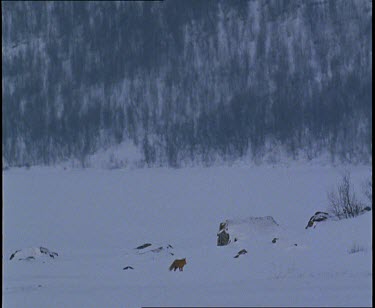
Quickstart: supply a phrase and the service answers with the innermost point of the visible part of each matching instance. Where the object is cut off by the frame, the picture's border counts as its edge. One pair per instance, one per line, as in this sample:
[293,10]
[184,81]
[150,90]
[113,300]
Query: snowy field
[94,219]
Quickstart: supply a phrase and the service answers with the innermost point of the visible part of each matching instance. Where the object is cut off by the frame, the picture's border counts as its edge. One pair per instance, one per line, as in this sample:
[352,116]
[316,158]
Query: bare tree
[343,203]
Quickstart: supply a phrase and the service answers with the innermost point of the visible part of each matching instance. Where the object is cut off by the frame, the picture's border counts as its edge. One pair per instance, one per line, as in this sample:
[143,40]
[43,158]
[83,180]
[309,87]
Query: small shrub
[355,248]
[343,203]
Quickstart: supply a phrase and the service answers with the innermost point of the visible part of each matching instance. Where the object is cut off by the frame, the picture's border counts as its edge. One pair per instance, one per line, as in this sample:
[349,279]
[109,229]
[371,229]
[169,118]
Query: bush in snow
[343,203]
[356,248]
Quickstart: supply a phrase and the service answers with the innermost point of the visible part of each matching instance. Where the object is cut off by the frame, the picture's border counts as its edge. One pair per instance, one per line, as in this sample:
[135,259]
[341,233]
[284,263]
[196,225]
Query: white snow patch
[97,217]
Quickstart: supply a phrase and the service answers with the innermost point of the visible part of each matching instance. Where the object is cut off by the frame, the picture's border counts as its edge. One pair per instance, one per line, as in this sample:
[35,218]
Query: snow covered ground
[94,219]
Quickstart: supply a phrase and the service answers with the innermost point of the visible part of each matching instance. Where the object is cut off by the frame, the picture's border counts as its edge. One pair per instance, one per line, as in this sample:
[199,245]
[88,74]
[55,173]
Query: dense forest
[186,80]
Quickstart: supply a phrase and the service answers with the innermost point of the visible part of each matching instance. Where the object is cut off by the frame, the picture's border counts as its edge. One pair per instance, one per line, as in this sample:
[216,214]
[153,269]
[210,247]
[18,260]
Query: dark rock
[29,258]
[275,239]
[143,246]
[157,249]
[241,252]
[43,250]
[318,216]
[222,235]
[13,254]
[223,225]
[167,249]
[222,238]
[32,253]
[127,267]
[46,251]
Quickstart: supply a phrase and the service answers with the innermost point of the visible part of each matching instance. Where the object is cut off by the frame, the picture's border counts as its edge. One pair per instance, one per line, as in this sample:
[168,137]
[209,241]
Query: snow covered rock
[33,253]
[143,246]
[241,252]
[317,217]
[150,248]
[250,227]
[128,267]
[222,235]
[46,251]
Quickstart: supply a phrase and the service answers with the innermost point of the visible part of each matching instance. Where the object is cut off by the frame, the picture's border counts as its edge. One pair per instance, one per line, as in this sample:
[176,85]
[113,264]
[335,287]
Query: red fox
[178,263]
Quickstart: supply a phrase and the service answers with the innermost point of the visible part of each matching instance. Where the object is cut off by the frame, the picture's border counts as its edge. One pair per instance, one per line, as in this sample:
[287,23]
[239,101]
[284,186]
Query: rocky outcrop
[33,253]
[255,228]
[222,235]
[143,246]
[317,217]
[127,268]
[150,248]
[46,251]
[241,252]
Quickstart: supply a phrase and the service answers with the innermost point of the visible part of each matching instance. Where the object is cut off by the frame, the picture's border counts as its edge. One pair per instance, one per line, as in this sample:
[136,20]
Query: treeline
[189,80]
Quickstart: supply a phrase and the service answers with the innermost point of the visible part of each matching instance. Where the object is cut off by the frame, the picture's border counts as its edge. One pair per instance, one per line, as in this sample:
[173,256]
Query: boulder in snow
[251,227]
[222,235]
[33,253]
[241,252]
[143,246]
[317,217]
[150,248]
[46,251]
[128,267]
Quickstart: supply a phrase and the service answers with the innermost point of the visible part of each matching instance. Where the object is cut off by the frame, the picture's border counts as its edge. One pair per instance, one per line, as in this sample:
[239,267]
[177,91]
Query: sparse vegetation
[356,248]
[188,81]
[343,203]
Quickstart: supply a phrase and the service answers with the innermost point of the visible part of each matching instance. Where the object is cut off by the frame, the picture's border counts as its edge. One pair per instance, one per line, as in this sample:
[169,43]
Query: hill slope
[95,219]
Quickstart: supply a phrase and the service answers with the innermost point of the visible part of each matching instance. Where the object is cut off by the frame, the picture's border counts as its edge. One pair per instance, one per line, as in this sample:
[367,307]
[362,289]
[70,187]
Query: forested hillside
[186,80]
